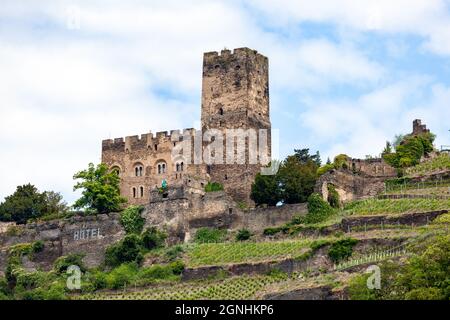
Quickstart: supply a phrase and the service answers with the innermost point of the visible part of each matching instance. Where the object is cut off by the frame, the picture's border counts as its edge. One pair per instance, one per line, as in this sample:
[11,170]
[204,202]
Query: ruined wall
[376,167]
[350,186]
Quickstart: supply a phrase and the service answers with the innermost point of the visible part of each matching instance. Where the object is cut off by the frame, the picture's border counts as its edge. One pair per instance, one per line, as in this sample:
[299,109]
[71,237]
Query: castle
[234,104]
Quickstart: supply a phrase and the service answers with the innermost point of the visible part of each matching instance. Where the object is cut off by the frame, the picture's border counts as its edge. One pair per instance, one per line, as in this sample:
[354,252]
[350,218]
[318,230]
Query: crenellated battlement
[227,55]
[235,95]
[146,140]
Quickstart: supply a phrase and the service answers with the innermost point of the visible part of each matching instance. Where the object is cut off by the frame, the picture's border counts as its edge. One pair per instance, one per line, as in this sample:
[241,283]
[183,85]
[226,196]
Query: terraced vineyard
[395,206]
[243,287]
[236,252]
[441,162]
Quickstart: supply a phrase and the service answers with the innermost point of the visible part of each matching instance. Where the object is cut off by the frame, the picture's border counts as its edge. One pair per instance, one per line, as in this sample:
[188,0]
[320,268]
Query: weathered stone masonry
[235,95]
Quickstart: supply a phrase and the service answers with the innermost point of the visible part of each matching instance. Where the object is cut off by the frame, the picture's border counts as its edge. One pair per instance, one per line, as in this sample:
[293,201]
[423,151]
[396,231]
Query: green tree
[266,190]
[54,202]
[100,189]
[25,203]
[297,178]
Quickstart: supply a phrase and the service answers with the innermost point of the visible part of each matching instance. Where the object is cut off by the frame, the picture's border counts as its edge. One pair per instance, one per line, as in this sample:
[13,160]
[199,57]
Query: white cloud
[135,67]
[426,18]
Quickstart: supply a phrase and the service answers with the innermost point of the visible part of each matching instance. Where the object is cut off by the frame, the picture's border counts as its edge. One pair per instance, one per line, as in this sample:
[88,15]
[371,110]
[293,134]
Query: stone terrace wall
[87,235]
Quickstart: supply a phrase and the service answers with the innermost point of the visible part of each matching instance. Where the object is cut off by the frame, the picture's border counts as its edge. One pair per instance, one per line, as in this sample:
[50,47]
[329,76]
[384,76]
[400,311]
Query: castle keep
[235,95]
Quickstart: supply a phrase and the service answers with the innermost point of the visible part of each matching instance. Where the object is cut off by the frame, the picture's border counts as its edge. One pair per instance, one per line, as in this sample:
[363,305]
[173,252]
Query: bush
[62,263]
[318,209]
[122,275]
[126,250]
[243,235]
[152,238]
[341,249]
[37,246]
[214,186]
[271,231]
[209,235]
[174,252]
[177,267]
[131,219]
[333,197]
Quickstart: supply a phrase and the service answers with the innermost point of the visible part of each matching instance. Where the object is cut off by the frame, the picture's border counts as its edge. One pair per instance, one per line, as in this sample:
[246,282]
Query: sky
[345,76]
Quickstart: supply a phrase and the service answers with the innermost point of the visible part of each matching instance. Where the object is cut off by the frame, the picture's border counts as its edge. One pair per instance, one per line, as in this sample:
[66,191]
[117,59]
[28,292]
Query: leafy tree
[297,179]
[388,148]
[25,203]
[304,157]
[410,150]
[100,189]
[54,202]
[266,190]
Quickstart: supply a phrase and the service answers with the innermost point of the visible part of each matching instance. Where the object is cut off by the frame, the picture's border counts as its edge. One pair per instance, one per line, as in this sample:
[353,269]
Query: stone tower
[235,95]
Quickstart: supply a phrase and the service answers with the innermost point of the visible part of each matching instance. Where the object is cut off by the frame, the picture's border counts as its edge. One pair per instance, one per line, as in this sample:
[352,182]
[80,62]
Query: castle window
[217,66]
[161,168]
[237,67]
[156,147]
[138,170]
[142,191]
[221,111]
[134,192]
[182,166]
[226,177]
[178,167]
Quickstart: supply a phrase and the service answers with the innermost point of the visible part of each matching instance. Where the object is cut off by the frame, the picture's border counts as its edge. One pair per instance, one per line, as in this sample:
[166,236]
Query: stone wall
[349,185]
[181,214]
[87,235]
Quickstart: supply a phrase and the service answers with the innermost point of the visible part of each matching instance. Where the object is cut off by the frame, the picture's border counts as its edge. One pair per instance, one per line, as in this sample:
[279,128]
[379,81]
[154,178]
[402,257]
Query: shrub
[122,275]
[324,169]
[333,197]
[209,235]
[341,249]
[318,209]
[271,231]
[62,263]
[152,238]
[174,252]
[37,246]
[126,250]
[213,186]
[131,219]
[243,235]
[177,267]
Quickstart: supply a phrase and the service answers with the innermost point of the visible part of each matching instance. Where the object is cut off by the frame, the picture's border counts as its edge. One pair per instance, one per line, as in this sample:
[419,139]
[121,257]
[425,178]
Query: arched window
[161,167]
[181,166]
[221,111]
[134,192]
[138,170]
[178,167]
[142,191]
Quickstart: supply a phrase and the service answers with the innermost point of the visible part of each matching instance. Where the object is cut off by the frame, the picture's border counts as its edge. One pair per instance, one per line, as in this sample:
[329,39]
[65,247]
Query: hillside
[302,259]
